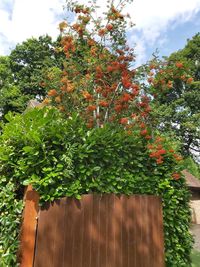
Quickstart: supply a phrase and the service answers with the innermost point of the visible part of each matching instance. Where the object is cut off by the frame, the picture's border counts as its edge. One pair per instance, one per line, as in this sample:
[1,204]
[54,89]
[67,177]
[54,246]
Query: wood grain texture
[101,231]
[28,229]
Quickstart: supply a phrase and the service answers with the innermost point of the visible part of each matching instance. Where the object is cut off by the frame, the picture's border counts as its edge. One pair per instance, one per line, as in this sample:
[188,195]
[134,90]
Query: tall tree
[177,110]
[29,61]
[23,73]
[11,98]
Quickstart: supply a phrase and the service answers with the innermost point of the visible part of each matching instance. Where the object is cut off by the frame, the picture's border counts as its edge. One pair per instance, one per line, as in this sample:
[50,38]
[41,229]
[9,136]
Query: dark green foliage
[178,110]
[11,98]
[25,72]
[29,61]
[190,165]
[62,157]
[10,219]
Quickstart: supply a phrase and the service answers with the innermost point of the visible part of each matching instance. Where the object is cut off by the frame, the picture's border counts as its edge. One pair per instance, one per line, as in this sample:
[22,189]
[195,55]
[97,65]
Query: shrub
[62,157]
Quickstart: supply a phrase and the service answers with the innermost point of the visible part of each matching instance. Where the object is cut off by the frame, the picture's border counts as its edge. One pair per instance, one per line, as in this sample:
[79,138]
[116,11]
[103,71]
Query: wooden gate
[101,231]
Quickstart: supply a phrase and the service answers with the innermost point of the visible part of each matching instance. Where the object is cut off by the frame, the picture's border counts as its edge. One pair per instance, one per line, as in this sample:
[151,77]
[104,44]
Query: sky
[163,25]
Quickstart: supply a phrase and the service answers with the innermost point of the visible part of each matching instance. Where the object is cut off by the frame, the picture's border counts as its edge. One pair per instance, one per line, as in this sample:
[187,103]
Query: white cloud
[153,18]
[22,19]
[29,18]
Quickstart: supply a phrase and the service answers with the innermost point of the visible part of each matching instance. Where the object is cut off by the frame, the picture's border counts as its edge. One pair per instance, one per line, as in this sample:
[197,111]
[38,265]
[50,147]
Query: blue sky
[161,24]
[172,38]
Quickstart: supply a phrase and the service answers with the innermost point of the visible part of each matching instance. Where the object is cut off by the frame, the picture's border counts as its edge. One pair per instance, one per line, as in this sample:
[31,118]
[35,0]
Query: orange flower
[153,155]
[126,82]
[109,27]
[121,52]
[109,68]
[118,108]
[129,132]
[143,132]
[124,120]
[152,66]
[190,80]
[148,109]
[77,9]
[64,80]
[91,42]
[159,160]
[161,151]
[101,32]
[169,84]
[159,139]
[87,95]
[98,89]
[58,99]
[183,77]
[177,157]
[150,80]
[142,125]
[93,51]
[91,108]
[63,88]
[133,115]
[61,108]
[89,125]
[179,65]
[126,97]
[103,103]
[70,88]
[176,176]
[148,137]
[135,86]
[150,146]
[52,92]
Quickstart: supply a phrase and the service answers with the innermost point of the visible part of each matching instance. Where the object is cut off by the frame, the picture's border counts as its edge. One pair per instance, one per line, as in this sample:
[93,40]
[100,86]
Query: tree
[177,111]
[11,98]
[23,73]
[29,62]
[102,99]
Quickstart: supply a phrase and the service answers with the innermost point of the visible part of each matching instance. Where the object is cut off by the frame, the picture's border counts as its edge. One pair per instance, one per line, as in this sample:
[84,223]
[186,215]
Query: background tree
[29,61]
[177,110]
[11,97]
[24,73]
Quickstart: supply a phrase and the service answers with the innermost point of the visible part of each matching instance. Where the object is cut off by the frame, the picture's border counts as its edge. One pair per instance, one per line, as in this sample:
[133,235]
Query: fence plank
[28,229]
[101,231]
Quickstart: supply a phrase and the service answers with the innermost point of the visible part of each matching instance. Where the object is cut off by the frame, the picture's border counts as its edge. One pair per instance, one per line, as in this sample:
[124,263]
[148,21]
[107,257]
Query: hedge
[61,157]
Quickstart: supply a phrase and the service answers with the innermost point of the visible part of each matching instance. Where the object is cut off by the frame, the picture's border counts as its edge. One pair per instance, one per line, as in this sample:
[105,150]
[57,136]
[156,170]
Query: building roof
[191,180]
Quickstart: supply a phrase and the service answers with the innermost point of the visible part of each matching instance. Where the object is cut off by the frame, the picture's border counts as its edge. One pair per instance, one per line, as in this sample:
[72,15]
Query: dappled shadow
[101,231]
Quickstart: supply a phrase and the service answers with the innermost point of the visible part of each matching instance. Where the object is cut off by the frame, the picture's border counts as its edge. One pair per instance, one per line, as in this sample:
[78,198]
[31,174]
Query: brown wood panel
[101,231]
[28,229]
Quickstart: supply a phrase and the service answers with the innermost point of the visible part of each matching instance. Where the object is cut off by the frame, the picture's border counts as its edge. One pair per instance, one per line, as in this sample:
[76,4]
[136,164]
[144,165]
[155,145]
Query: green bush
[62,157]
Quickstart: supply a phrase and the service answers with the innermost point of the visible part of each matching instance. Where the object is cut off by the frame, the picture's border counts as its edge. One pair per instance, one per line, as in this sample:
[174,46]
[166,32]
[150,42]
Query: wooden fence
[100,231]
[29,227]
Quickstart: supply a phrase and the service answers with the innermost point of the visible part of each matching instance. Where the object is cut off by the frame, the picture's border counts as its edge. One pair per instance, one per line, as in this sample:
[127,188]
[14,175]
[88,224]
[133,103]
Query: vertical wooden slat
[28,229]
[78,219]
[159,234]
[131,221]
[58,231]
[87,221]
[124,232]
[101,231]
[68,235]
